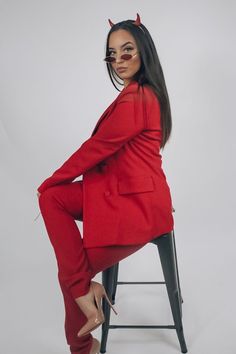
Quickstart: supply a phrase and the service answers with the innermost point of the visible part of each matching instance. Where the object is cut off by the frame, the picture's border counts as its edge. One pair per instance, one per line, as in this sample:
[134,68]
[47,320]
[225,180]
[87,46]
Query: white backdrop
[54,87]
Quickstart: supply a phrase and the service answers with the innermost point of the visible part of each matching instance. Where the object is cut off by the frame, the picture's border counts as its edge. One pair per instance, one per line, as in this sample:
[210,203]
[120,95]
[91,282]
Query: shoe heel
[109,302]
[101,292]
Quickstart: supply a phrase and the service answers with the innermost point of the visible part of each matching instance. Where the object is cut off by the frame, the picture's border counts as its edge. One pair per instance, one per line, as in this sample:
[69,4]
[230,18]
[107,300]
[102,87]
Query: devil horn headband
[137,22]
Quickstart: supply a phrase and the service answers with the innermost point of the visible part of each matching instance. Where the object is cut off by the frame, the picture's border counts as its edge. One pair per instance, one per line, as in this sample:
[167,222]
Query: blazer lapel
[105,114]
[109,109]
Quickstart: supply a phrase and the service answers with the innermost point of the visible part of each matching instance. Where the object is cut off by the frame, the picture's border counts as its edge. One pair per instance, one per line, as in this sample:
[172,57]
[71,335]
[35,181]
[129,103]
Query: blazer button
[107,193]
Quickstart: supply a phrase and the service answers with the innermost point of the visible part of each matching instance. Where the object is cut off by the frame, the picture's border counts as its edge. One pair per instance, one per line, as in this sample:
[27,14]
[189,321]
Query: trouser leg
[74,320]
[60,207]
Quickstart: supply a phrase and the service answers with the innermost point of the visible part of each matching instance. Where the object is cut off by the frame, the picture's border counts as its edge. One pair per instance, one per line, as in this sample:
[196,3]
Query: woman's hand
[38,194]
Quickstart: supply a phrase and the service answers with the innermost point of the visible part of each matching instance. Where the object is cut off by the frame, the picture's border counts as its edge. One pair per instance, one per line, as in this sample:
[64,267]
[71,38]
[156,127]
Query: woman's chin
[123,77]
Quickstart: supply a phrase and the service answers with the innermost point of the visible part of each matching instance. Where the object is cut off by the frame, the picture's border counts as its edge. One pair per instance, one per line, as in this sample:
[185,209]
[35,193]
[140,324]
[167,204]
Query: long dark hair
[150,72]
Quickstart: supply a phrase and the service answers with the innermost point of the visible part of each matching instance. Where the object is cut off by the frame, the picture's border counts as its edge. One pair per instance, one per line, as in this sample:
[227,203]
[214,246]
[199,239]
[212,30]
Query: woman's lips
[120,70]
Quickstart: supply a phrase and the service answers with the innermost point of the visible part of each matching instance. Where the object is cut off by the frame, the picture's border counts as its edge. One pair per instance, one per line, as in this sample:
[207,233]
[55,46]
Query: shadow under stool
[168,257]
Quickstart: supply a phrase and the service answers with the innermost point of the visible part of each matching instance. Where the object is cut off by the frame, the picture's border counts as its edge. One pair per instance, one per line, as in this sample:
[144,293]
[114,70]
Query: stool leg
[108,282]
[177,274]
[167,257]
[176,264]
[115,279]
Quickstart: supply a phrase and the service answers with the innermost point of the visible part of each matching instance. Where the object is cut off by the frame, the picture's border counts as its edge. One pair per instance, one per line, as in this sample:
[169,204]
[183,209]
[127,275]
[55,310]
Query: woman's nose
[119,59]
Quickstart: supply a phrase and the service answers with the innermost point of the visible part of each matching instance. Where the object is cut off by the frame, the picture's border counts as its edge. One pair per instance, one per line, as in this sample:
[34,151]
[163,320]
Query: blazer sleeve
[125,122]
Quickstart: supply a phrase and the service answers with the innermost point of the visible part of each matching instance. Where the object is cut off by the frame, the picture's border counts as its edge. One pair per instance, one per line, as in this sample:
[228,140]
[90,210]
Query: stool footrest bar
[142,326]
[140,282]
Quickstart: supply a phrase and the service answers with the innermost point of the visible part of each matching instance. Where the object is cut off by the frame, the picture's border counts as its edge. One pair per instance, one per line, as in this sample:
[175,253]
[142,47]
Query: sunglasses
[123,56]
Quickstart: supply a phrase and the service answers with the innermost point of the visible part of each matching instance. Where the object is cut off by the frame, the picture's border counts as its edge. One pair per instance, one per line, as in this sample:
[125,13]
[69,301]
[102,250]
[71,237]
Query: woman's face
[122,42]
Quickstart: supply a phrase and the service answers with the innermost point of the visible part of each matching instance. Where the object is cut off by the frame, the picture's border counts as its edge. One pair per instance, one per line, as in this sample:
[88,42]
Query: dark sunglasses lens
[126,56]
[109,59]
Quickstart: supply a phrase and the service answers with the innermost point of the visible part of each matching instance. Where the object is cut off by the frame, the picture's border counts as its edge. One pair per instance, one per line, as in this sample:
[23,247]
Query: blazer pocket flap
[135,184]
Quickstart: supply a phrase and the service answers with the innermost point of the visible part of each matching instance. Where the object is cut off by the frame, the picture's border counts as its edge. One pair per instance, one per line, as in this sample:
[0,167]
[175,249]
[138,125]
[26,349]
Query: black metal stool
[167,252]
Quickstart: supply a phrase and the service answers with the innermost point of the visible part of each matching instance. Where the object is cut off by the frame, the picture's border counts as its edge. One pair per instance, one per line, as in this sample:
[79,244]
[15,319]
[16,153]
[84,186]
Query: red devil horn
[137,21]
[111,23]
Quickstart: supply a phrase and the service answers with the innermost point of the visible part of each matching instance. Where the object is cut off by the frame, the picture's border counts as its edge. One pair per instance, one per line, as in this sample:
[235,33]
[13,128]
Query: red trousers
[60,206]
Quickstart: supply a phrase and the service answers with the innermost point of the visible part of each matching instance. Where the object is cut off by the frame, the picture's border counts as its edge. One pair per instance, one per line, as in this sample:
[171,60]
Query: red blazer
[126,198]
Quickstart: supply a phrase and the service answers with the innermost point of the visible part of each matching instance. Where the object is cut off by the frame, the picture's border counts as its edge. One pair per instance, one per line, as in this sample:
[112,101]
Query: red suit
[126,198]
[123,200]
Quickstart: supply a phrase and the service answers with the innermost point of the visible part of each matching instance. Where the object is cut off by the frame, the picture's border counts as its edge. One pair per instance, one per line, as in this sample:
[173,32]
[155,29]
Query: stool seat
[168,257]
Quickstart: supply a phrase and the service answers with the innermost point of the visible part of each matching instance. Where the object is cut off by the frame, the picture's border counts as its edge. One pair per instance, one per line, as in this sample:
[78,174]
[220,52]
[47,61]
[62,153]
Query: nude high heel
[97,318]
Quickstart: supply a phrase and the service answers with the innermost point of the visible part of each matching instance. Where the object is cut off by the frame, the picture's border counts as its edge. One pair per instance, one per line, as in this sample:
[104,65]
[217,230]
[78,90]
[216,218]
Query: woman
[123,200]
